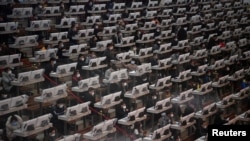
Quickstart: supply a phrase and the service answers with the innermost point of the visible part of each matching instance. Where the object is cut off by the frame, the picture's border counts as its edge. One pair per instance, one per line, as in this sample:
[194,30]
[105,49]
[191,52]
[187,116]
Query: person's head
[77,73]
[93,55]
[53,60]
[91,91]
[8,70]
[60,44]
[52,131]
[124,83]
[123,105]
[81,57]
[13,120]
[60,103]
[110,46]
[133,61]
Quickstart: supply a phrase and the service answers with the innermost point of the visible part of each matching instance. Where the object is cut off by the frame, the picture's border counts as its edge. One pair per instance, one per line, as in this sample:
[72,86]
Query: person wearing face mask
[157,32]
[76,77]
[57,110]
[81,61]
[14,122]
[72,32]
[49,68]
[61,48]
[163,120]
[117,38]
[53,135]
[121,110]
[7,77]
[89,96]
[109,53]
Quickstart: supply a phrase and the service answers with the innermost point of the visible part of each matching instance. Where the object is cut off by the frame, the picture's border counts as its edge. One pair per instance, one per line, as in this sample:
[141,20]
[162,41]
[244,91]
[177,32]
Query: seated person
[76,77]
[14,122]
[7,77]
[121,110]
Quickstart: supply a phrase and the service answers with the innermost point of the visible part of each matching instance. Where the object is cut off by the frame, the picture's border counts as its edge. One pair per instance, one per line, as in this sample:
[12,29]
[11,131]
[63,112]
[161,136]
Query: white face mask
[78,75]
[125,84]
[62,45]
[154,97]
[171,115]
[132,62]
[124,107]
[159,42]
[9,72]
[40,6]
[61,106]
[96,26]
[54,62]
[52,135]
[111,48]
[82,59]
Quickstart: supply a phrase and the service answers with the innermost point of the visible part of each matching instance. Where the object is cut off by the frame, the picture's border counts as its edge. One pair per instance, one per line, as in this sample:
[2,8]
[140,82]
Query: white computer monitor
[159,105]
[5,104]
[129,27]
[82,33]
[196,28]
[244,91]
[80,8]
[63,35]
[83,84]
[163,81]
[181,20]
[72,111]
[22,40]
[165,62]
[48,93]
[187,118]
[239,73]
[35,24]
[223,79]
[103,44]
[62,69]
[101,60]
[231,45]
[114,76]
[132,115]
[45,23]
[29,125]
[114,17]
[123,74]
[37,74]
[55,9]
[74,137]
[18,101]
[116,96]
[200,52]
[215,49]
[181,10]
[206,86]
[4,60]
[24,76]
[54,36]
[90,32]
[211,25]
[227,99]
[82,48]
[61,89]
[94,81]
[109,124]
[183,43]
[151,13]
[11,26]
[43,120]
[166,130]
[147,36]
[185,94]
[198,39]
[14,58]
[156,134]
[97,129]
[73,8]
[73,49]
[219,63]
[165,47]
[71,67]
[107,99]
[84,107]
[32,39]
[128,40]
[51,53]
[152,3]
[140,112]
[136,4]
[202,68]
[47,10]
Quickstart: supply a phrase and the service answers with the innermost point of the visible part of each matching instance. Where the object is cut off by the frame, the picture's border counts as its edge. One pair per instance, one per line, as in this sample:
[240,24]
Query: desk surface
[59,75]
[11,65]
[23,46]
[72,118]
[178,80]
[141,56]
[198,92]
[217,85]
[77,89]
[199,114]
[125,121]
[29,133]
[129,94]
[106,106]
[13,109]
[152,110]
[94,68]
[17,83]
[180,127]
[133,73]
[222,106]
[177,100]
[51,99]
[90,136]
